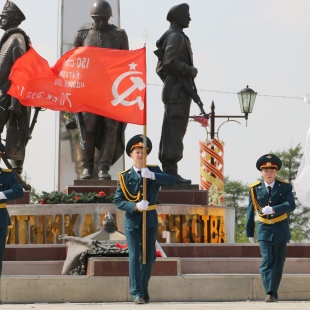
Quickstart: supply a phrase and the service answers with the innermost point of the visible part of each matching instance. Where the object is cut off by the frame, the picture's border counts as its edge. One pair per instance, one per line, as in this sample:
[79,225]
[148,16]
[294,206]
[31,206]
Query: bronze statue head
[101,12]
[179,14]
[11,16]
[101,8]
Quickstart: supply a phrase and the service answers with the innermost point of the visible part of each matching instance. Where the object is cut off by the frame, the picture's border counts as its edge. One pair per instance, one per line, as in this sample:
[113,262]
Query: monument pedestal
[25,200]
[177,194]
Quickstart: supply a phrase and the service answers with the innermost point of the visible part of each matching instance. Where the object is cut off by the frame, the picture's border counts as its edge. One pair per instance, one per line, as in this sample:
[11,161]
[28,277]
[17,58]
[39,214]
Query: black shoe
[138,300]
[146,298]
[103,175]
[180,180]
[270,298]
[86,174]
[276,298]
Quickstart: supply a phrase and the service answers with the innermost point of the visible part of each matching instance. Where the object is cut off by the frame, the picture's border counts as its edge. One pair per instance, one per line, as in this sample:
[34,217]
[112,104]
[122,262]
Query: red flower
[202,120]
[101,194]
[41,202]
[76,197]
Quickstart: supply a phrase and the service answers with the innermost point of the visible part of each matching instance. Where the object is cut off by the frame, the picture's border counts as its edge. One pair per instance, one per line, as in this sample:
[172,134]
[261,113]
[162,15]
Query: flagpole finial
[144,35]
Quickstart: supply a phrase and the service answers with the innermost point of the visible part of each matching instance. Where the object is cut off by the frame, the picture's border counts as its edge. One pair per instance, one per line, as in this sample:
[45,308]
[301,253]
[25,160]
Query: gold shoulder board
[124,171]
[283,181]
[6,170]
[255,183]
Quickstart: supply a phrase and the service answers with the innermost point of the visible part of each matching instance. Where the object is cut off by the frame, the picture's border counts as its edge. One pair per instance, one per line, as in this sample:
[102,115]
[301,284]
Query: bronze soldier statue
[176,70]
[13,44]
[105,134]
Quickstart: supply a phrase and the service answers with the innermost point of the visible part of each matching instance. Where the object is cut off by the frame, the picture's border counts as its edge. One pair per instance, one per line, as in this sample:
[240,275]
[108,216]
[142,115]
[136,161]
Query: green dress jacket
[133,193]
[281,200]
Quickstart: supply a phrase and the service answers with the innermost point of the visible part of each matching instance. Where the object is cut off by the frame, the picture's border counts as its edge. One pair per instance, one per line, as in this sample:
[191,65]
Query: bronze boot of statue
[86,174]
[180,180]
[103,174]
[172,168]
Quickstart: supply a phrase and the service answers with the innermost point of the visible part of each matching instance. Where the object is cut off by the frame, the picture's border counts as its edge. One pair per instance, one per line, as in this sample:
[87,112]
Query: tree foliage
[236,195]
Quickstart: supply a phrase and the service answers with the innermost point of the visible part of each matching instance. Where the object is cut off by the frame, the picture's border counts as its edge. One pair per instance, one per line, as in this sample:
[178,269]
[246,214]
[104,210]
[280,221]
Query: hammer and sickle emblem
[137,84]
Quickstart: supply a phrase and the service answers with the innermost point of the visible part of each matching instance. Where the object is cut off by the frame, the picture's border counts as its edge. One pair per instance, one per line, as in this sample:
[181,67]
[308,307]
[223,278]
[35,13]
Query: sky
[260,43]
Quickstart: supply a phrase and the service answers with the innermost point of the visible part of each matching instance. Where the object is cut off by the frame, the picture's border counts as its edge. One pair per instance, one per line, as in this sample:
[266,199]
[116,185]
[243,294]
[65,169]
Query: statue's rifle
[34,121]
[192,90]
[6,161]
[78,120]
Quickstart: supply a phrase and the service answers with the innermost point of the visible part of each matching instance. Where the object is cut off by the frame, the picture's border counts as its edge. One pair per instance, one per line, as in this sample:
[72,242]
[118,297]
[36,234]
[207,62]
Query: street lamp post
[212,151]
[246,97]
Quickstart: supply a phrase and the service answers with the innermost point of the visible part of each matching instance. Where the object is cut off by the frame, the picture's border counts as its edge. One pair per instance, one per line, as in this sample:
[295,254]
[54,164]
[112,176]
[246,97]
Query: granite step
[233,265]
[32,268]
[188,287]
[39,252]
[112,266]
[242,250]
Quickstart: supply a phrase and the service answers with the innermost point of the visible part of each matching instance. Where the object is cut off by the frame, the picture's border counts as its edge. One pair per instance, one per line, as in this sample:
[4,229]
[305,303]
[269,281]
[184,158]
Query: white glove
[2,196]
[267,210]
[142,205]
[146,173]
[251,239]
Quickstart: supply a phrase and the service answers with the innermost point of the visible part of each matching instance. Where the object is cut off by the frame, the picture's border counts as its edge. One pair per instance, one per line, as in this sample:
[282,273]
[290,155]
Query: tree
[236,195]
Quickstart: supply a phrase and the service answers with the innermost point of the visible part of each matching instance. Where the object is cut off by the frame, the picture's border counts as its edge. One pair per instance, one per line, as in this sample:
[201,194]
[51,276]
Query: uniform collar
[271,185]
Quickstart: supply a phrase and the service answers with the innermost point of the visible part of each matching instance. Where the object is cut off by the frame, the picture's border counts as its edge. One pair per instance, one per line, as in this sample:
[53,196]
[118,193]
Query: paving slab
[245,305]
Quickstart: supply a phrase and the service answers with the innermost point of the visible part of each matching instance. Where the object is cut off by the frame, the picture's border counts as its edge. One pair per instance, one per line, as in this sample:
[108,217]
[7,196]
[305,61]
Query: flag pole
[144,35]
[144,197]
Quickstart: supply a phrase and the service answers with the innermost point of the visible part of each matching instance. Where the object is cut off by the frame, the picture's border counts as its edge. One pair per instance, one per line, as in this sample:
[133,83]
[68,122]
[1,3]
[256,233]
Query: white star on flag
[132,66]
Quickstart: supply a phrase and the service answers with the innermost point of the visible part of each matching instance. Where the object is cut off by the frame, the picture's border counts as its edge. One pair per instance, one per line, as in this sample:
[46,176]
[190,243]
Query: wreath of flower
[58,197]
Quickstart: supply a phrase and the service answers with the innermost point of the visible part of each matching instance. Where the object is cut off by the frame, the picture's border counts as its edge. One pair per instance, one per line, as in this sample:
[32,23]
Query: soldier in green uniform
[129,198]
[9,189]
[271,200]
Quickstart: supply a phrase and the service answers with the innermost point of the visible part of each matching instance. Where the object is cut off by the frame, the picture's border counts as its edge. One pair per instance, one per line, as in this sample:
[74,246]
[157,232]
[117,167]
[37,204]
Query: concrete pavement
[242,305]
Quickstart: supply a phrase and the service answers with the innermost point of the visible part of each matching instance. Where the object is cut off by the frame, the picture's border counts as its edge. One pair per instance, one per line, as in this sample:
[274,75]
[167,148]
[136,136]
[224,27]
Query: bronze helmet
[101,8]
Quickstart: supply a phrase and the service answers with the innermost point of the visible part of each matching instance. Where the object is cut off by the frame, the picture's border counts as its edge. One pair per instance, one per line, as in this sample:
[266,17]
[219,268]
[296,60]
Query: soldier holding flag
[129,198]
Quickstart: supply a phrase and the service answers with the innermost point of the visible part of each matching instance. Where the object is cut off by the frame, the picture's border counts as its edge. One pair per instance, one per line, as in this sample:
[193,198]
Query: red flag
[103,81]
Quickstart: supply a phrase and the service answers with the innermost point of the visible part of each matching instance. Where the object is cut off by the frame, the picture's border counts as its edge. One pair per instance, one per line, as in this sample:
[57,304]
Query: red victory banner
[102,81]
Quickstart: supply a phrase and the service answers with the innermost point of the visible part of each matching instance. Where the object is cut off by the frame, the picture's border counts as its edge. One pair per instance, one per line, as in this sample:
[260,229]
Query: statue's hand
[18,113]
[194,72]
